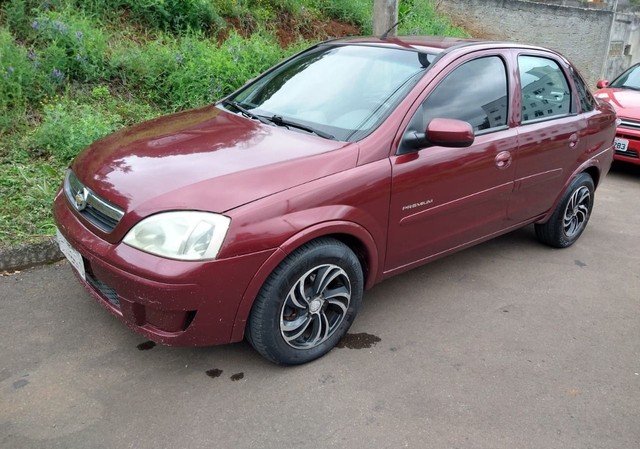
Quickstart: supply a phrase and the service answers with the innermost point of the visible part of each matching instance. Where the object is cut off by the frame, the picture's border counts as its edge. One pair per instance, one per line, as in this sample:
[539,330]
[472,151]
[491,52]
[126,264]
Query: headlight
[184,235]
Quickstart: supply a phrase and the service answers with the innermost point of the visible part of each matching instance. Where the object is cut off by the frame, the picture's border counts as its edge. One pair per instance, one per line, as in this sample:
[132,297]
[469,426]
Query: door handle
[503,159]
[573,140]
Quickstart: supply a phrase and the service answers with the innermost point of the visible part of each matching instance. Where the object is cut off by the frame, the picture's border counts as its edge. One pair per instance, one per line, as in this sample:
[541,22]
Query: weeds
[72,71]
[419,17]
[68,127]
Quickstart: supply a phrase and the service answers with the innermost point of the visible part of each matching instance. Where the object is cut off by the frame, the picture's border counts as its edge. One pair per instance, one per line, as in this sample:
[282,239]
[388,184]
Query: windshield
[340,92]
[628,80]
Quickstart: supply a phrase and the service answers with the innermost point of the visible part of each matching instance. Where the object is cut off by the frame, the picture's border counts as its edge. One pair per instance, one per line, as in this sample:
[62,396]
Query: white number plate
[621,144]
[73,256]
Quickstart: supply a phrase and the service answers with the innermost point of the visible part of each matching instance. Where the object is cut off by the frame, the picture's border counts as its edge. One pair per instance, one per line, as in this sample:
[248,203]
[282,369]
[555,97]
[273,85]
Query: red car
[624,94]
[267,214]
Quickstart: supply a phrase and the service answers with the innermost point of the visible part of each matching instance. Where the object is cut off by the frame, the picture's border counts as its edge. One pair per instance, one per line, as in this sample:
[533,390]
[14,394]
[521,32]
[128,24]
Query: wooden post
[385,15]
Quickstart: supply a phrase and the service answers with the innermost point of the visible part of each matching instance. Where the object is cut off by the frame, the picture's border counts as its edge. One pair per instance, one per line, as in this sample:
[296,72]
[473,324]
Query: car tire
[571,215]
[307,304]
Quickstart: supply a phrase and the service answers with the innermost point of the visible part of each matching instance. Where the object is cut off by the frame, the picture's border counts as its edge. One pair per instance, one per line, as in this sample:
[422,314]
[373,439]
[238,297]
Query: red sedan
[267,214]
[624,94]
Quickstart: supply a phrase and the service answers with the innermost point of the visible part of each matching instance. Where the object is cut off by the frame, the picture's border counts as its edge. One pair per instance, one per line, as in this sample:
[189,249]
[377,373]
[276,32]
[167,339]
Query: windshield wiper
[244,111]
[278,120]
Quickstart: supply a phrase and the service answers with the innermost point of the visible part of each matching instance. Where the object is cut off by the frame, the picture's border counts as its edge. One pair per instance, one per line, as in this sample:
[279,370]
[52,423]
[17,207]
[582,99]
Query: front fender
[339,229]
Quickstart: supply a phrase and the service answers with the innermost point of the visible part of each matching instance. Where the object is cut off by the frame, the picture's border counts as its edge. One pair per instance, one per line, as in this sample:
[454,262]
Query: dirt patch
[245,28]
[289,28]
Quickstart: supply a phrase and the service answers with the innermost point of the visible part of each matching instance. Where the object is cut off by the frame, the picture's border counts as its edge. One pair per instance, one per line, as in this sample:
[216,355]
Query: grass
[72,71]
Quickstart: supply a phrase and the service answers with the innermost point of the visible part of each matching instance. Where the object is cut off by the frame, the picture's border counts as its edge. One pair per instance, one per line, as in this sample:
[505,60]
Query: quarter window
[545,91]
[587,102]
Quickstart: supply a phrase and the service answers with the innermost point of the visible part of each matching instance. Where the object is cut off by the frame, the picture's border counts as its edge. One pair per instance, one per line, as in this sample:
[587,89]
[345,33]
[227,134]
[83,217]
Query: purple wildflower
[31,55]
[35,25]
[61,27]
[57,75]
[79,34]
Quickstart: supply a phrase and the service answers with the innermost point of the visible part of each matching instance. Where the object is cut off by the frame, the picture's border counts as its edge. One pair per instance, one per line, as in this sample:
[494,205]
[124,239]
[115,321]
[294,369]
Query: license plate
[621,144]
[73,256]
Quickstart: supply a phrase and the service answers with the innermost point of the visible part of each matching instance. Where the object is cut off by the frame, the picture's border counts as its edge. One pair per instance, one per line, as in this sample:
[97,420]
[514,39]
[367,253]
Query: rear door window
[544,87]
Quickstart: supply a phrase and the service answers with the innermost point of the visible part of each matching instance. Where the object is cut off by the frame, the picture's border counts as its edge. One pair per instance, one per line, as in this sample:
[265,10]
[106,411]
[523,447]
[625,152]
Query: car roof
[429,44]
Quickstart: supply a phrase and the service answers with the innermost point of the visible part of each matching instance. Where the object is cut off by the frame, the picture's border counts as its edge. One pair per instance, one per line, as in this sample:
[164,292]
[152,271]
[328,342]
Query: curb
[18,257]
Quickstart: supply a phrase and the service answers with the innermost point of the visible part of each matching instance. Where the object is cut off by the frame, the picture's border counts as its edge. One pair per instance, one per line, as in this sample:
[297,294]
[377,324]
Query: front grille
[107,292]
[628,153]
[626,123]
[94,209]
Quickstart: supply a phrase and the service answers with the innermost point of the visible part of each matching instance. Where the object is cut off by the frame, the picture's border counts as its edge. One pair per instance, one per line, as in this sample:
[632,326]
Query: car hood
[625,101]
[204,159]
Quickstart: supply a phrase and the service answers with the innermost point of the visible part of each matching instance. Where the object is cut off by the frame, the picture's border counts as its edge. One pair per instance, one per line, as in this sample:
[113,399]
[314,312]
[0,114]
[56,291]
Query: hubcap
[315,306]
[577,212]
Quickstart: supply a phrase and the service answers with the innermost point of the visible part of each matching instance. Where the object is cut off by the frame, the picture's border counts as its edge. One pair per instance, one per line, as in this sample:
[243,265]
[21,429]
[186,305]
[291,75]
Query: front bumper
[168,301]
[629,131]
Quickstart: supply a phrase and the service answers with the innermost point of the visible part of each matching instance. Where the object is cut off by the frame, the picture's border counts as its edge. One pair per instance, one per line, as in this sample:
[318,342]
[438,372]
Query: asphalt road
[506,345]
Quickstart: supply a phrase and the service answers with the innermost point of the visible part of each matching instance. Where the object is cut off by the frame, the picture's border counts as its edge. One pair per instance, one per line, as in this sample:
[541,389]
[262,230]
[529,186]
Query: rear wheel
[570,217]
[307,304]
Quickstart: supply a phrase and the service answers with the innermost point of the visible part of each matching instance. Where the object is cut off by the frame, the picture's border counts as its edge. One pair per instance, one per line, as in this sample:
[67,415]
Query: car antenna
[386,33]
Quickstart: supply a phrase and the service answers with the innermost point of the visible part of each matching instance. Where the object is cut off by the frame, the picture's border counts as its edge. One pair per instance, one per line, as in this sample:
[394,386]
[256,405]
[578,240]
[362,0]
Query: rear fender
[597,167]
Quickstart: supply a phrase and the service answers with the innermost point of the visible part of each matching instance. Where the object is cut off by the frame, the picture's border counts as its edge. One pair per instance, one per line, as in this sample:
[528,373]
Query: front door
[443,198]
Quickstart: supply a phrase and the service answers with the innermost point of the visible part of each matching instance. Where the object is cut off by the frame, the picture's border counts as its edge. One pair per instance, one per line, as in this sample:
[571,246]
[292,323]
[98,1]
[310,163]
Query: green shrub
[174,15]
[16,16]
[68,127]
[206,73]
[145,68]
[357,12]
[70,45]
[419,17]
[27,191]
[192,71]
[17,75]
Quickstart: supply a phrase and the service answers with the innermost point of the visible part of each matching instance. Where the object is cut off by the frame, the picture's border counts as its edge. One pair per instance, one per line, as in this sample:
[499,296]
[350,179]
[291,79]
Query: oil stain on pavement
[358,341]
[213,373]
[146,346]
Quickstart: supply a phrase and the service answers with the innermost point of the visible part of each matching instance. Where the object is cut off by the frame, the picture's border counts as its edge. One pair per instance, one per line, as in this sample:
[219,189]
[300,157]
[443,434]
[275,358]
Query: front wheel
[570,217]
[307,304]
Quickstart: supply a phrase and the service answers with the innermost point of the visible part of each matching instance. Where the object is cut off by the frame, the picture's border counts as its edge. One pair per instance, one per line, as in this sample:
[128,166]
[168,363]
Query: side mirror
[445,132]
[448,132]
[601,84]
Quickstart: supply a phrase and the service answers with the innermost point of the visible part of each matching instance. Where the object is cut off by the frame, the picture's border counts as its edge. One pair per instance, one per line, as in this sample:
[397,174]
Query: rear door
[443,198]
[550,136]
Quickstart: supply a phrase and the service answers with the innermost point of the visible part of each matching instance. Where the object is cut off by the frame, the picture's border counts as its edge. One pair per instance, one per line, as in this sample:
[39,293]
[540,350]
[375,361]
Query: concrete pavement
[510,344]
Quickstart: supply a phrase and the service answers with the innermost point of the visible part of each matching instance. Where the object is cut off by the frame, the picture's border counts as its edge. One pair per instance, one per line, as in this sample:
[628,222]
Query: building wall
[580,34]
[624,48]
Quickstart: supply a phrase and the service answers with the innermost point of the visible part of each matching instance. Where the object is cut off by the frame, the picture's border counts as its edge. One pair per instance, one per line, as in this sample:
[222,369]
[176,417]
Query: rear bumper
[168,301]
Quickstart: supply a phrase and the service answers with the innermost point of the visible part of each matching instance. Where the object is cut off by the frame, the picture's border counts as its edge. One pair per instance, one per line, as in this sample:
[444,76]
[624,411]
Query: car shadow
[626,170]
